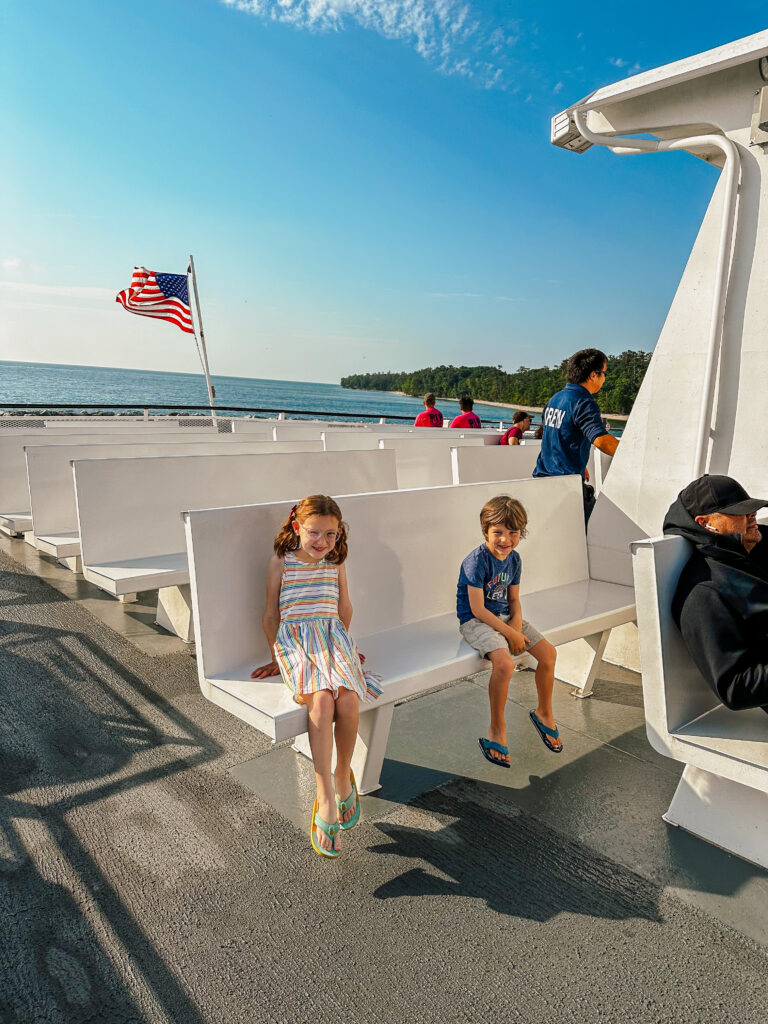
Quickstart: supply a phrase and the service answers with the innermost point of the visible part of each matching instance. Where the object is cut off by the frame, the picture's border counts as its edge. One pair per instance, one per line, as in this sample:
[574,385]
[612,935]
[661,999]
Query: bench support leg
[29,538]
[728,814]
[579,660]
[368,758]
[73,562]
[9,532]
[174,611]
[127,598]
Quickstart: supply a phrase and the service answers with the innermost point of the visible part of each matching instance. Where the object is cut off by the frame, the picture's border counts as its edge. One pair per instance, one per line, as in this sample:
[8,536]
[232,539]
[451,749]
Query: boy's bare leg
[545,655]
[502,667]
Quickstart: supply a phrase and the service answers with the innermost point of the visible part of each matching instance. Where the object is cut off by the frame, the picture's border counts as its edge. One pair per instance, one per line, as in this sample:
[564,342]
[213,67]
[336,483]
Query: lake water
[45,384]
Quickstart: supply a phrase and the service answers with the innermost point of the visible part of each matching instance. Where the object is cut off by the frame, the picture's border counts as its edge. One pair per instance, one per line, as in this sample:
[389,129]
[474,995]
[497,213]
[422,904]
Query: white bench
[129,511]
[426,461]
[723,793]
[15,513]
[52,488]
[406,548]
[473,465]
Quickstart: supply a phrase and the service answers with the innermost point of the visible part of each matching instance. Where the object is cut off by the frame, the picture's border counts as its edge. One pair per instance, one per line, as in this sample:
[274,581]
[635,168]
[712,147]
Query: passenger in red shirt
[466,418]
[521,422]
[431,417]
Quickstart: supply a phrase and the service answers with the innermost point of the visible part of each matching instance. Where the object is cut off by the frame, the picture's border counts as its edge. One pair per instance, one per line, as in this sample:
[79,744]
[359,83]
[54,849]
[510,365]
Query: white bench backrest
[52,487]
[406,548]
[14,490]
[103,424]
[674,690]
[426,461]
[131,508]
[472,465]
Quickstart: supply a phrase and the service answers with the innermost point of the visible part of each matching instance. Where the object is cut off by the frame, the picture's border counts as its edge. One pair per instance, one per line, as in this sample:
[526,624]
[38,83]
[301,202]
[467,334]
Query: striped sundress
[313,649]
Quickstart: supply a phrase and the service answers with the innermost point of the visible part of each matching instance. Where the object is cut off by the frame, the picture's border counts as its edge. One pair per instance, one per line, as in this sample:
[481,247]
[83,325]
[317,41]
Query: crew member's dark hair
[429,398]
[465,403]
[520,416]
[584,362]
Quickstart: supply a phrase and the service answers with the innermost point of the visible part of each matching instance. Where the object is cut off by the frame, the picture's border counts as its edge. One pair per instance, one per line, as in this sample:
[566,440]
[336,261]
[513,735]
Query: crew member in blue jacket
[573,422]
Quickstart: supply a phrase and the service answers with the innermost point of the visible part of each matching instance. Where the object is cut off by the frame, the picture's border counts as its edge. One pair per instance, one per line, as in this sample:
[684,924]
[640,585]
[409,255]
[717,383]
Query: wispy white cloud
[449,34]
[11,263]
[618,62]
[62,290]
[557,88]
[509,298]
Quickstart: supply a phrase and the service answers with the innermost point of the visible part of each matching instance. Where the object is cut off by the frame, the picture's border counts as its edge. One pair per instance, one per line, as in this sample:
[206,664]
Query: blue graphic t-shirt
[481,569]
[572,421]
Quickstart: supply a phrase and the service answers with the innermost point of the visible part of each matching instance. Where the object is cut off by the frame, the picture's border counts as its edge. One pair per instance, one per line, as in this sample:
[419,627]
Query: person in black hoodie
[721,601]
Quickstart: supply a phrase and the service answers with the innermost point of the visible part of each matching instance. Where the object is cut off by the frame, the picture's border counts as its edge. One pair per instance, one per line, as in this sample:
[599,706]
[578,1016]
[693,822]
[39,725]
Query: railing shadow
[75,723]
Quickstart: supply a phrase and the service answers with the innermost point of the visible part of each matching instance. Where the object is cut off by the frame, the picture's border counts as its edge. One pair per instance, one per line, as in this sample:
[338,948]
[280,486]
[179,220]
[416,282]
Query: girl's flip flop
[545,732]
[329,830]
[344,805]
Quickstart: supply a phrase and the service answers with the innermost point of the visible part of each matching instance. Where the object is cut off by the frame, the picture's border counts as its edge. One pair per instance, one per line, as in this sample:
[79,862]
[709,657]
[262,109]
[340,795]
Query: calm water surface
[47,384]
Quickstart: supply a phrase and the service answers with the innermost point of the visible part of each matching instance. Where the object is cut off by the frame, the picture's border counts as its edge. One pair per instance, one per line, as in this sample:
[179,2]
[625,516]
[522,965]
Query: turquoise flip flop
[545,732]
[487,745]
[329,830]
[344,805]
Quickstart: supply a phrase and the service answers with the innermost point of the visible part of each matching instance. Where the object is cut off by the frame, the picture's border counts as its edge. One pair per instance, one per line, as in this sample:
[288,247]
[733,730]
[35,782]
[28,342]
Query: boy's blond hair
[503,511]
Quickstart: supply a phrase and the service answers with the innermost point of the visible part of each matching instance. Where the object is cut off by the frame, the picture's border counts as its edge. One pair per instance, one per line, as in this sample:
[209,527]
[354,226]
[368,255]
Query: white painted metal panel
[130,508]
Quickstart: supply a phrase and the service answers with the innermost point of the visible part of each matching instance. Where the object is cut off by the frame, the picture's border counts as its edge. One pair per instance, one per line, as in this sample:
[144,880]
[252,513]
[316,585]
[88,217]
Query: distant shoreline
[506,405]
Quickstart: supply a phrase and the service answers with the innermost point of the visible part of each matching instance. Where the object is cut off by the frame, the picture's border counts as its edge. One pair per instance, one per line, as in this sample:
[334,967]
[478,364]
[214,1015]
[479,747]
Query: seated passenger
[466,418]
[521,422]
[721,602]
[491,620]
[431,417]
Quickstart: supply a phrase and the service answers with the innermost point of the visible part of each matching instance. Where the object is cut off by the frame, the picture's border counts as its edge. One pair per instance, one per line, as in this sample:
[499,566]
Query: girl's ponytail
[287,539]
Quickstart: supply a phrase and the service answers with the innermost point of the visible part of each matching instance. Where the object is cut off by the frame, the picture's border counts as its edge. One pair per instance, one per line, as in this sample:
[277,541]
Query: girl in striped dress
[306,618]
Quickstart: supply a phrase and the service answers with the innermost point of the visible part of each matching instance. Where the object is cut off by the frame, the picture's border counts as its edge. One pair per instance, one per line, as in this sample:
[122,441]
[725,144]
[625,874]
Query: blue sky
[364,184]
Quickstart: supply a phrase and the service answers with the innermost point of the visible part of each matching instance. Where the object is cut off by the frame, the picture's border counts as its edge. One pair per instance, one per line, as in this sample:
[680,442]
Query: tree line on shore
[526,386]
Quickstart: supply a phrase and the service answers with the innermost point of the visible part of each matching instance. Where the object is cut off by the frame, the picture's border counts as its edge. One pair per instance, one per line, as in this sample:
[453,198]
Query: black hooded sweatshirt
[721,608]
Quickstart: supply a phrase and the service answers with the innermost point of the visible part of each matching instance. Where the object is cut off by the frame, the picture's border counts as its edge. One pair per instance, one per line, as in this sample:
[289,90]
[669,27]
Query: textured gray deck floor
[140,882]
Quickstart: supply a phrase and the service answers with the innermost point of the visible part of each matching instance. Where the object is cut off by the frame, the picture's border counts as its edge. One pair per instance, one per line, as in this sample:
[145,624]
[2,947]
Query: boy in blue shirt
[491,621]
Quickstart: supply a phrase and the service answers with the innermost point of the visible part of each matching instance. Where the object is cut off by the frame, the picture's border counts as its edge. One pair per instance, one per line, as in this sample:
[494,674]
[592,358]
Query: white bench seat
[136,574]
[723,793]
[15,523]
[60,545]
[405,551]
[422,655]
[739,735]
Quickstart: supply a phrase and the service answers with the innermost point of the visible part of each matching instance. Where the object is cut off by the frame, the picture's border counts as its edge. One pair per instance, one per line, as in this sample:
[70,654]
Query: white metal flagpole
[201,339]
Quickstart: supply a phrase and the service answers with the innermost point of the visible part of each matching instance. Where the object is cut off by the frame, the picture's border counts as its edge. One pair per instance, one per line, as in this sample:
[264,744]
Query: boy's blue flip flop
[545,732]
[487,746]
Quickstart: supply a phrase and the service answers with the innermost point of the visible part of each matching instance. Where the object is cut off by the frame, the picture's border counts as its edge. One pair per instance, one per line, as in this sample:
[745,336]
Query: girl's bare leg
[545,655]
[502,667]
[347,715]
[321,710]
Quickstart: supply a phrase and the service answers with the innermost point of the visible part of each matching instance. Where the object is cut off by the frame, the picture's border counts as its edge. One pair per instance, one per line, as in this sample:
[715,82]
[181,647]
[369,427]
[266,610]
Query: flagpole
[203,353]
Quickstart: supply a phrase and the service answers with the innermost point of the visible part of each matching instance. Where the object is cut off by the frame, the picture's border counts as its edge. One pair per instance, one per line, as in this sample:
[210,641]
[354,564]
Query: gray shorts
[485,638]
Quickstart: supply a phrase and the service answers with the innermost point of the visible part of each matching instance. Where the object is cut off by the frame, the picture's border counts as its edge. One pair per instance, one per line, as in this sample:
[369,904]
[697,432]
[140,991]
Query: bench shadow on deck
[61,750]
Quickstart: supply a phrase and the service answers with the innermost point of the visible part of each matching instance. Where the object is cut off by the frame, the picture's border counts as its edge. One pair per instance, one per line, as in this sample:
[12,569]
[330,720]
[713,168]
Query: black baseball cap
[717,493]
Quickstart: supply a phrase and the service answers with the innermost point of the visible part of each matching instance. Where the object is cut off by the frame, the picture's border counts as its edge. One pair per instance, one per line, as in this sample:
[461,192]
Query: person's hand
[517,641]
[586,474]
[263,671]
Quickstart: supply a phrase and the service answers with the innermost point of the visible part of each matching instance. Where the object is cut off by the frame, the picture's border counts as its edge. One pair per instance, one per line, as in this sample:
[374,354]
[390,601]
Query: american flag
[164,296]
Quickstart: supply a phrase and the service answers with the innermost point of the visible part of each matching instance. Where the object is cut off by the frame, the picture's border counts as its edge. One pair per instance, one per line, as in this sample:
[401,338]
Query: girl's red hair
[315,505]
